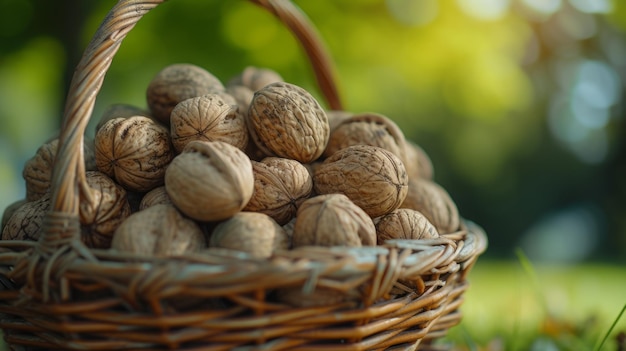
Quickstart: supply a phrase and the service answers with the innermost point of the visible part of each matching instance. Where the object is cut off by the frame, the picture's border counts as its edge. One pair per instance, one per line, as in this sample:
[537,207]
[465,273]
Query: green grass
[524,306]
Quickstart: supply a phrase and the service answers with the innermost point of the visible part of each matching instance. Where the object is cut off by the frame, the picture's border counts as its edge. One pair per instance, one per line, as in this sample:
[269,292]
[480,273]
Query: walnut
[243,96]
[404,223]
[37,171]
[210,181]
[252,232]
[210,118]
[159,230]
[332,220]
[156,196]
[255,78]
[280,186]
[434,202]
[134,151]
[27,220]
[335,117]
[120,111]
[176,83]
[9,210]
[418,163]
[285,120]
[373,178]
[103,211]
[368,129]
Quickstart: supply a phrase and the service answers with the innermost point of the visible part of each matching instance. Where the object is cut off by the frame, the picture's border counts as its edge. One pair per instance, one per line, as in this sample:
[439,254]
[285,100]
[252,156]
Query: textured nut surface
[209,118]
[255,78]
[280,186]
[176,83]
[373,178]
[37,171]
[332,220]
[9,210]
[404,223]
[159,230]
[418,163]
[251,232]
[120,111]
[434,202]
[27,220]
[210,181]
[243,96]
[108,208]
[156,196]
[134,151]
[367,129]
[285,120]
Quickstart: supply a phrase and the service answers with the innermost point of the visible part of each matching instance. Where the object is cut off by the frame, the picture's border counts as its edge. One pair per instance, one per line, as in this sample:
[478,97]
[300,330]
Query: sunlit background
[519,103]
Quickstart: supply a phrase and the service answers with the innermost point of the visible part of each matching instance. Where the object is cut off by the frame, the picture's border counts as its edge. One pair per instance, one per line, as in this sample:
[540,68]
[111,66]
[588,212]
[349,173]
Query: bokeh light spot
[544,7]
[598,84]
[592,6]
[413,12]
[485,9]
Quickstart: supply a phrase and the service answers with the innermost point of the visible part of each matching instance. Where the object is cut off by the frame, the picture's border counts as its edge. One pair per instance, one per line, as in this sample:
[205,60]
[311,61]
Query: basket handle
[68,179]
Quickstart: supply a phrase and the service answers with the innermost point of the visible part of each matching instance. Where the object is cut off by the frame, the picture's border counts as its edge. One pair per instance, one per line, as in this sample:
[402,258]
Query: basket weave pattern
[58,294]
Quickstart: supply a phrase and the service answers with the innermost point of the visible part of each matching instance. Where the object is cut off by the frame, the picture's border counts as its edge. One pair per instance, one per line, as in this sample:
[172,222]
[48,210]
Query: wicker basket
[58,294]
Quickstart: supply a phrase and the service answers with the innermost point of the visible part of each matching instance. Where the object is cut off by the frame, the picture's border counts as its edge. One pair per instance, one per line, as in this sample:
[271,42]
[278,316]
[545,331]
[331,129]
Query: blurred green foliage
[519,103]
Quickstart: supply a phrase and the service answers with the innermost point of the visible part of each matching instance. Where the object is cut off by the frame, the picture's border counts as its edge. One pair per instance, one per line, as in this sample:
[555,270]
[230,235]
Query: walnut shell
[285,120]
[209,118]
[156,196]
[159,230]
[103,211]
[255,78]
[332,220]
[434,202]
[373,178]
[37,171]
[404,223]
[9,210]
[335,117]
[280,186]
[418,164]
[252,232]
[210,181]
[120,111]
[243,96]
[27,220]
[176,83]
[367,129]
[134,151]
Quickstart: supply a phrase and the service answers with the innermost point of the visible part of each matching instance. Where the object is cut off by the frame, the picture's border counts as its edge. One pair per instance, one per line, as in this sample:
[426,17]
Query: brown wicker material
[58,294]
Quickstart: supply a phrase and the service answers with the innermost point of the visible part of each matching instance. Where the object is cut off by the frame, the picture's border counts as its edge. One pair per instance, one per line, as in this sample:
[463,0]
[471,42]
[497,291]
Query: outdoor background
[519,103]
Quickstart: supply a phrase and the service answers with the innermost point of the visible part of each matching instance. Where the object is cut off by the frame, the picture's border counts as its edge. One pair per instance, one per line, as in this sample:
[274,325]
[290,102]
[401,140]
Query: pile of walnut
[256,165]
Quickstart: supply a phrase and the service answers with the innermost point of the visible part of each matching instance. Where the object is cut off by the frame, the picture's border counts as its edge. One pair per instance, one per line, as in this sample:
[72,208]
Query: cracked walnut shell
[285,120]
[280,186]
[371,177]
[210,180]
